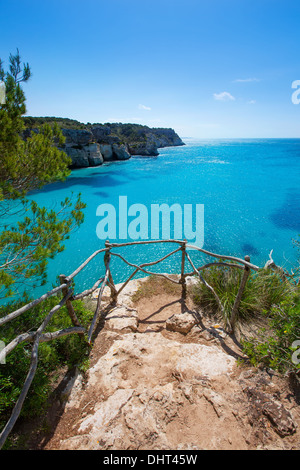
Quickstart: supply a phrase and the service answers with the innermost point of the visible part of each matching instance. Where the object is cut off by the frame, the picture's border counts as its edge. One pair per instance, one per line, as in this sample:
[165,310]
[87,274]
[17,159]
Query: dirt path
[163,377]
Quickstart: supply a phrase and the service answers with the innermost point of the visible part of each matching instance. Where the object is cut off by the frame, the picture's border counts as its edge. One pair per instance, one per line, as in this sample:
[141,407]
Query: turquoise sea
[250,191]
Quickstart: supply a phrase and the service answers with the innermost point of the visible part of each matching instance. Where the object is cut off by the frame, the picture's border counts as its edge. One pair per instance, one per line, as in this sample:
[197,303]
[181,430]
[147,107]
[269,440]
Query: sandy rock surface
[161,379]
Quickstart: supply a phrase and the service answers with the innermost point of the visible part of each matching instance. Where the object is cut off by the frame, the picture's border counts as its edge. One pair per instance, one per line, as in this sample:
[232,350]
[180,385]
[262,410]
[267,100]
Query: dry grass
[156,285]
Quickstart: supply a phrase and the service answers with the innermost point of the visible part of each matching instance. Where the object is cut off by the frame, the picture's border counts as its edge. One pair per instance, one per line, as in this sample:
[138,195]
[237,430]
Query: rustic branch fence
[39,336]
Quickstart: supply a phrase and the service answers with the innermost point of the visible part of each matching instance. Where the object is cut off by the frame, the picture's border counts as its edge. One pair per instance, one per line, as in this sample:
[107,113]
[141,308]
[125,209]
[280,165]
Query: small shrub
[66,351]
[274,346]
[263,289]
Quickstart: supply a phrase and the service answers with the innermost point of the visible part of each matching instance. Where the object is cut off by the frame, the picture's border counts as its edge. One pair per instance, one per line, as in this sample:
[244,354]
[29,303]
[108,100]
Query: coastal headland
[93,144]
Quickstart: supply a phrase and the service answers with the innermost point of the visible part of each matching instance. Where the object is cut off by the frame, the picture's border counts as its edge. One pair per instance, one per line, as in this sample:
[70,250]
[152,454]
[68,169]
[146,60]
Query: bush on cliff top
[262,290]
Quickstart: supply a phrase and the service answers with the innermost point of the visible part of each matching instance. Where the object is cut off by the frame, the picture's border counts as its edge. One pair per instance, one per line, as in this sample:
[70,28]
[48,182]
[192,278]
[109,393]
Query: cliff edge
[163,377]
[92,144]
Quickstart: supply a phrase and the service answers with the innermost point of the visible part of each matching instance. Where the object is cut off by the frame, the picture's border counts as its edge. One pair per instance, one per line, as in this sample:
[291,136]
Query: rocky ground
[163,376]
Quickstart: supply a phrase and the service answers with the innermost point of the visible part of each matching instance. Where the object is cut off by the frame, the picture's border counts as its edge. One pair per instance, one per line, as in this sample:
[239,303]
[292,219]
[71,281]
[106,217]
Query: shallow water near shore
[250,191]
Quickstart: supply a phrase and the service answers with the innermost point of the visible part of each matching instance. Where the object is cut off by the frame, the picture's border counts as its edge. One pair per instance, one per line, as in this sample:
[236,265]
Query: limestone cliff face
[150,140]
[100,143]
[121,151]
[165,138]
[147,149]
[82,148]
[92,144]
[86,148]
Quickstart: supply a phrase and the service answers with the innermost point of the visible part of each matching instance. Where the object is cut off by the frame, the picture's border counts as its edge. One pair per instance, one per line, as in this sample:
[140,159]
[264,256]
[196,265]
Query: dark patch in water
[249,249]
[288,215]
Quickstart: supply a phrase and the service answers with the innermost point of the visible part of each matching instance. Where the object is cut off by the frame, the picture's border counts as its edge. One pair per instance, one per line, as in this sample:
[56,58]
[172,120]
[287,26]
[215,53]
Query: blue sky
[208,69]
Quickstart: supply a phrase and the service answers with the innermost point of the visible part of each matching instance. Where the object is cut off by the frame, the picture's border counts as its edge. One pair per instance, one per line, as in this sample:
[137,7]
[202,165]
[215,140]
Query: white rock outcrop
[170,389]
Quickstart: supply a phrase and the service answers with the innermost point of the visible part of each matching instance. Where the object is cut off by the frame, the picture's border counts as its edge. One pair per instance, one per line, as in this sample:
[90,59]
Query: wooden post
[182,278]
[69,305]
[113,290]
[239,296]
[107,257]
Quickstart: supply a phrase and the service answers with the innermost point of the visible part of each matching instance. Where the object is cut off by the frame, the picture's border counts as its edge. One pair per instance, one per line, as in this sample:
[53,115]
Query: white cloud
[252,102]
[145,108]
[245,80]
[224,96]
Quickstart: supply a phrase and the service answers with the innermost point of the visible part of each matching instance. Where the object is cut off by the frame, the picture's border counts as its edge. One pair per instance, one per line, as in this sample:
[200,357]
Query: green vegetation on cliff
[268,316]
[126,133]
[63,123]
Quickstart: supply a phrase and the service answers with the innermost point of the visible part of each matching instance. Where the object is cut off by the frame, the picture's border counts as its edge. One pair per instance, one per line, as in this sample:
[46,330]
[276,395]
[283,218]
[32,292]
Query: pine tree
[27,164]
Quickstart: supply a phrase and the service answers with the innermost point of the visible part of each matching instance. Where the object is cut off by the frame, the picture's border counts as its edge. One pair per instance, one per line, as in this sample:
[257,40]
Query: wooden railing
[39,336]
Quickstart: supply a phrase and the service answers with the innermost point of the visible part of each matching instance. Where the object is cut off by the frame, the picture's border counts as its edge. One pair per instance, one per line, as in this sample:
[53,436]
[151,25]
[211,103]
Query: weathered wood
[229,258]
[111,285]
[27,337]
[59,333]
[55,309]
[208,265]
[138,268]
[270,264]
[88,291]
[144,270]
[206,284]
[69,305]
[30,305]
[141,267]
[38,336]
[126,282]
[239,296]
[83,265]
[113,290]
[14,343]
[147,242]
[97,311]
[182,277]
[151,263]
[19,404]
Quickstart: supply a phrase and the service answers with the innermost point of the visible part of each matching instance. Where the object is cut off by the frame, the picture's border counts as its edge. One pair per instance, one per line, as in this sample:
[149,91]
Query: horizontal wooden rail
[88,291]
[142,242]
[229,258]
[141,267]
[32,304]
[84,264]
[209,253]
[208,265]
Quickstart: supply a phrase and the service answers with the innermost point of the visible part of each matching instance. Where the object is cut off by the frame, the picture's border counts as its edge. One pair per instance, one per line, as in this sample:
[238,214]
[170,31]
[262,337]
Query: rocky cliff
[161,378]
[93,144]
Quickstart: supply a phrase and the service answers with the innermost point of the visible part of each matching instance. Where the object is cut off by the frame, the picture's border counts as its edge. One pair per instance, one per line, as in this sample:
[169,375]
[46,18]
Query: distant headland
[92,144]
